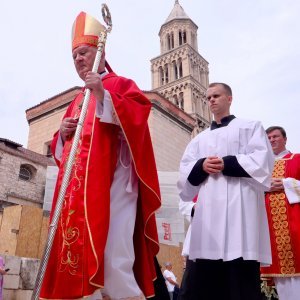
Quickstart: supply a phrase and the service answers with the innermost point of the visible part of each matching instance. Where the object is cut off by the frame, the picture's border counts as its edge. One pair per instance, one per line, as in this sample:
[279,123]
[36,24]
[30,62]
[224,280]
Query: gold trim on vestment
[85,204]
[287,158]
[69,260]
[280,275]
[281,224]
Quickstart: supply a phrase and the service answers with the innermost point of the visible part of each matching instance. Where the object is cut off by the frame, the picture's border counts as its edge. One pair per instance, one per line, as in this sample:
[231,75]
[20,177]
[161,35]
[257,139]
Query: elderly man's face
[84,57]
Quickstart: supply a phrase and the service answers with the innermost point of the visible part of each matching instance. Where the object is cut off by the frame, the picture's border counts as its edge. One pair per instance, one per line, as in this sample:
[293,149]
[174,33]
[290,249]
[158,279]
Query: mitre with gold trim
[86,30]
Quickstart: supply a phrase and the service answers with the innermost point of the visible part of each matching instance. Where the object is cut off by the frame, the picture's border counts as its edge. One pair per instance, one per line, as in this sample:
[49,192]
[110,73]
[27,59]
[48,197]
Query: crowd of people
[240,183]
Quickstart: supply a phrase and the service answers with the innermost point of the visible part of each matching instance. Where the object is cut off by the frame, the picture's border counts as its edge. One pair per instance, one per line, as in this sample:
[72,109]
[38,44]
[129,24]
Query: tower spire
[180,73]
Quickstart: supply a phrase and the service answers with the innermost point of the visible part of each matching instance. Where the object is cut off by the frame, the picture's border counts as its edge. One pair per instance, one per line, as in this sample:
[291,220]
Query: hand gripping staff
[54,222]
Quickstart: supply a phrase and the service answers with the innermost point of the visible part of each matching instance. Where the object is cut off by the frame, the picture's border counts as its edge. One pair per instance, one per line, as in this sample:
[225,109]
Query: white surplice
[230,218]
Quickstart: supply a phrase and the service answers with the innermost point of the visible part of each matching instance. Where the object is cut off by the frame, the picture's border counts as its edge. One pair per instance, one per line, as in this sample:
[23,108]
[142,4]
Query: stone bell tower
[180,73]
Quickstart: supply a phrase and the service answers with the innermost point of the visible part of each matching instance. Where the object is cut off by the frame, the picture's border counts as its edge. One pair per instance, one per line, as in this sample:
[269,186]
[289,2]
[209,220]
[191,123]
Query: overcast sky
[253,45]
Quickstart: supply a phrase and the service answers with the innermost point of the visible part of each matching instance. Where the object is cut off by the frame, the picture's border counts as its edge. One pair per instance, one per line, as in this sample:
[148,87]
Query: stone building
[180,73]
[44,120]
[23,178]
[22,175]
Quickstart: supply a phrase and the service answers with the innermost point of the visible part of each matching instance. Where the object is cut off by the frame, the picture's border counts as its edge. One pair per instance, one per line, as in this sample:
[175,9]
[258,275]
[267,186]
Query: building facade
[22,175]
[23,225]
[170,127]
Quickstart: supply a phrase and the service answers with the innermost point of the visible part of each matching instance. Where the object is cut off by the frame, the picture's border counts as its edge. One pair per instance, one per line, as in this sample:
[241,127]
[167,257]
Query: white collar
[282,154]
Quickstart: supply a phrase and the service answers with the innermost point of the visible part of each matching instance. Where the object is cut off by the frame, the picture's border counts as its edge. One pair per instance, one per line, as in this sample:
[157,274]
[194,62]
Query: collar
[282,154]
[224,122]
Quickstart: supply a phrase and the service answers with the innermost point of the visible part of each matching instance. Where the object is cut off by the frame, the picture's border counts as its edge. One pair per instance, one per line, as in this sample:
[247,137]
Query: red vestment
[75,267]
[284,223]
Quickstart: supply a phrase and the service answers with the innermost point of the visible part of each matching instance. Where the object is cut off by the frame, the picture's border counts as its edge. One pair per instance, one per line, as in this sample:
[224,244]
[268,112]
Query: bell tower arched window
[172,40]
[168,41]
[182,37]
[180,68]
[175,70]
[161,75]
[166,72]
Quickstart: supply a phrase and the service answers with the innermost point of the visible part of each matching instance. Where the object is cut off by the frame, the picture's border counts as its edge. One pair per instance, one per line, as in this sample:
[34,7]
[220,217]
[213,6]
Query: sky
[253,45]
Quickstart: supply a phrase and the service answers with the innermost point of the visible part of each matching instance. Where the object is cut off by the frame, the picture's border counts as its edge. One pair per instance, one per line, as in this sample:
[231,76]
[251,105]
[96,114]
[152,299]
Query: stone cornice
[176,22]
[171,110]
[52,104]
[28,155]
[178,52]
[181,83]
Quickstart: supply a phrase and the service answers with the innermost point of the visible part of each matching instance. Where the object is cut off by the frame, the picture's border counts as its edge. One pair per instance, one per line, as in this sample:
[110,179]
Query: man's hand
[67,128]
[94,83]
[213,165]
[276,185]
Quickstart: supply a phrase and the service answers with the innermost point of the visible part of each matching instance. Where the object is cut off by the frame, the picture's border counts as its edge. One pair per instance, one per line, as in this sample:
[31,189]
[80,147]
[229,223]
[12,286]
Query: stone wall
[15,190]
[169,141]
[170,222]
[20,279]
[45,118]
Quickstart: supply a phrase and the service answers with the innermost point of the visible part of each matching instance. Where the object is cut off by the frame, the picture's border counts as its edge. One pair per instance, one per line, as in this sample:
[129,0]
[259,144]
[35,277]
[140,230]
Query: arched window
[166,73]
[175,71]
[184,37]
[168,41]
[27,172]
[180,67]
[180,38]
[172,40]
[161,75]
